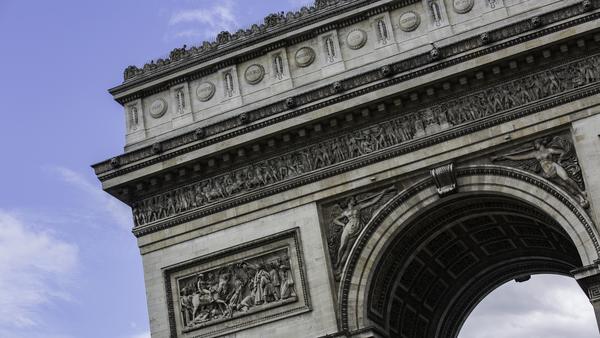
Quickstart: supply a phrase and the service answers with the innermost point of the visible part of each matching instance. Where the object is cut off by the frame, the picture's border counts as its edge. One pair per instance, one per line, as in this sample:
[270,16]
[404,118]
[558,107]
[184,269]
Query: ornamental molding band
[274,24]
[241,287]
[493,105]
[553,158]
[359,81]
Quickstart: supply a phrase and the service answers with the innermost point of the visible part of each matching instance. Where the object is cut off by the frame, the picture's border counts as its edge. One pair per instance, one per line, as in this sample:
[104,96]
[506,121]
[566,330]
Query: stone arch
[547,203]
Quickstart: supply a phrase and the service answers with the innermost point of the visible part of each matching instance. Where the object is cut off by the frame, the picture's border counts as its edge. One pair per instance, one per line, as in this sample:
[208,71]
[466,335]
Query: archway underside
[439,267]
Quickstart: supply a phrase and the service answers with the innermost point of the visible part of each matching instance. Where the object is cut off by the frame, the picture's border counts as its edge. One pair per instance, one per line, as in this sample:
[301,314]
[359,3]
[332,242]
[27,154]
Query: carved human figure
[287,282]
[551,169]
[351,225]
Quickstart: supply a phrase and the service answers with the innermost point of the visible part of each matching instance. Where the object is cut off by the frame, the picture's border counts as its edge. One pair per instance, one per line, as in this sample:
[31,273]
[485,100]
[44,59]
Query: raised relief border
[413,125]
[238,288]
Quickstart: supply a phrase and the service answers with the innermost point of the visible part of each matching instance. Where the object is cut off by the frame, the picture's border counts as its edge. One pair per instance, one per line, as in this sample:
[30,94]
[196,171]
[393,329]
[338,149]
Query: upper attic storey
[257,73]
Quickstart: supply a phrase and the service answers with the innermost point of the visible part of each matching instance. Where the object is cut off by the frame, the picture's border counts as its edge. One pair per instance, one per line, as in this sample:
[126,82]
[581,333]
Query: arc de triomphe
[364,168]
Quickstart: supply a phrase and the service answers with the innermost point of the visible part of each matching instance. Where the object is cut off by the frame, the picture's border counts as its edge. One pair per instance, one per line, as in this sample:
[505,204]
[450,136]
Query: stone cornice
[257,119]
[274,25]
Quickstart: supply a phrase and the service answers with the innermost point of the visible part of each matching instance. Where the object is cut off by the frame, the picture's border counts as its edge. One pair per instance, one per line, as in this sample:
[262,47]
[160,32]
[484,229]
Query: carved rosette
[158,108]
[304,57]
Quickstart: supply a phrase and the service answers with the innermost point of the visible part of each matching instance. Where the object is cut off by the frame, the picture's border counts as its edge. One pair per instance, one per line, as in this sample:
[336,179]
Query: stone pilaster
[589,280]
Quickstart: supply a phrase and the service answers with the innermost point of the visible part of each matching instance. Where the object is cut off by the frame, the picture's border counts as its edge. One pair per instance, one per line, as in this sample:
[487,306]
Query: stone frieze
[409,126]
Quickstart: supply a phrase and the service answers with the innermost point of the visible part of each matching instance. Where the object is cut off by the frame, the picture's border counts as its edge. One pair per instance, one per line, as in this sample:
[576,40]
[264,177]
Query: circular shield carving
[356,39]
[409,21]
[205,91]
[305,56]
[158,108]
[254,74]
[463,6]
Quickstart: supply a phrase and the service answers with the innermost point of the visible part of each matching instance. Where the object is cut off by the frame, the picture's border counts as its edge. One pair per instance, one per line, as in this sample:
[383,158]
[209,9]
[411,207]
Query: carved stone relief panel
[382,29]
[180,100]
[331,54]
[279,62]
[134,116]
[242,287]
[377,137]
[434,7]
[229,81]
[344,219]
[552,157]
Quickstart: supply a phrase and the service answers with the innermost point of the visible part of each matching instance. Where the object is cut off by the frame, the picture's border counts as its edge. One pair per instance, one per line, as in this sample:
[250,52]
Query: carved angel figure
[550,158]
[351,223]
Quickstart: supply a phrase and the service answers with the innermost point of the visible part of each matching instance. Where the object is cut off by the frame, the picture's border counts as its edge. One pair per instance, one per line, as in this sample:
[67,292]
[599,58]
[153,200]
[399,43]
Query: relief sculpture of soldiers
[236,289]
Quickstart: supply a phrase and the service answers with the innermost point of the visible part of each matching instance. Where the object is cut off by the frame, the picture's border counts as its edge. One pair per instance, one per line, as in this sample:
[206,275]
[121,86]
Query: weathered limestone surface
[332,178]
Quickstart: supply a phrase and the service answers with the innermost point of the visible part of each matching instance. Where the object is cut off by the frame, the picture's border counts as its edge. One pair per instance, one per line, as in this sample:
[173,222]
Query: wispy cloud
[546,306]
[102,201]
[35,269]
[205,21]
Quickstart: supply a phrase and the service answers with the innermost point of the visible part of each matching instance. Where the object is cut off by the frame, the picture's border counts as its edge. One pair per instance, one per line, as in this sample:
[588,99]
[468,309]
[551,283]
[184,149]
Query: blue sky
[69,265]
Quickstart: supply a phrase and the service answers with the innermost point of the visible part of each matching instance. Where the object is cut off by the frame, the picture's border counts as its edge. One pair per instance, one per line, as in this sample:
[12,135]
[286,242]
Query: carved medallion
[254,74]
[463,6]
[205,91]
[409,21]
[305,56]
[356,39]
[158,108]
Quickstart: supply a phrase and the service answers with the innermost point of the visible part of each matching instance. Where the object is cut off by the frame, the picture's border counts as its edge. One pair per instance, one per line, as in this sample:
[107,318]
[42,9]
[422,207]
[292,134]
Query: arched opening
[544,306]
[452,255]
[423,262]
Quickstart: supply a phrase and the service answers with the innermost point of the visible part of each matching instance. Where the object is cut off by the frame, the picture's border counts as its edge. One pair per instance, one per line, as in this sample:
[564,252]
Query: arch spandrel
[401,211]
